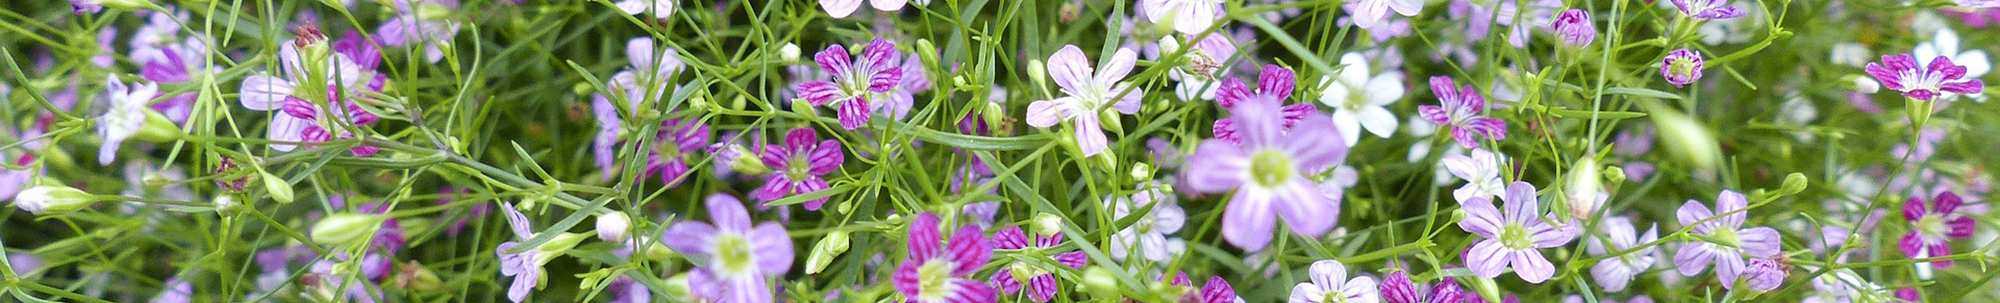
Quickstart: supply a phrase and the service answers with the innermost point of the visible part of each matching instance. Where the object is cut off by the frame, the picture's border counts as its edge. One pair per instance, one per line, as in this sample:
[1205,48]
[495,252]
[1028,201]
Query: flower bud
[1584,186]
[804,108]
[678,288]
[612,226]
[1038,72]
[1794,183]
[1169,45]
[224,202]
[660,252]
[927,52]
[52,199]
[823,253]
[1142,171]
[1686,138]
[416,277]
[560,244]
[1047,224]
[342,229]
[995,113]
[156,128]
[276,187]
[1614,174]
[130,5]
[789,52]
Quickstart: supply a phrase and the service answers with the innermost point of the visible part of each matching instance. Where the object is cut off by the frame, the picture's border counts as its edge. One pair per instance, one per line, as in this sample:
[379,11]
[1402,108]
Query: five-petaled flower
[1041,283]
[735,260]
[855,83]
[1900,72]
[1708,9]
[1723,238]
[796,166]
[1268,171]
[936,271]
[1329,284]
[1615,272]
[1513,239]
[1087,92]
[1681,66]
[1361,101]
[1459,108]
[1934,225]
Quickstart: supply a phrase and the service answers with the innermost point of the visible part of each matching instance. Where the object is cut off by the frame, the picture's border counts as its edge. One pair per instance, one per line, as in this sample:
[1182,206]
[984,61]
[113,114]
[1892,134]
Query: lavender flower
[1459,108]
[1681,66]
[1900,72]
[1329,284]
[1041,284]
[735,260]
[661,9]
[931,274]
[1191,17]
[526,266]
[125,117]
[1274,85]
[307,92]
[1615,272]
[412,26]
[1397,288]
[1087,92]
[1573,27]
[878,70]
[676,139]
[1147,236]
[1725,241]
[797,166]
[1763,274]
[1934,226]
[1368,14]
[1514,238]
[1268,173]
[1708,9]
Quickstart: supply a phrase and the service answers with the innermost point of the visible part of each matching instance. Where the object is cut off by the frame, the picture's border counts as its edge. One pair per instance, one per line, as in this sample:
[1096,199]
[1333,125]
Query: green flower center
[1515,237]
[1683,67]
[798,168]
[1270,168]
[732,253]
[932,279]
[1727,237]
[1932,226]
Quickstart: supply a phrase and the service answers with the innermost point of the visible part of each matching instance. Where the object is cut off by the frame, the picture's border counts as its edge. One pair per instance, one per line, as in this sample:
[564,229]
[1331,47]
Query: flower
[1196,79]
[307,91]
[12,181]
[52,199]
[797,166]
[1369,13]
[1397,288]
[1901,73]
[126,115]
[1147,236]
[645,80]
[1087,92]
[1933,226]
[675,140]
[421,22]
[734,259]
[935,271]
[1481,171]
[1274,85]
[1268,173]
[843,8]
[1725,241]
[1459,109]
[878,70]
[1041,283]
[1330,284]
[1615,272]
[1573,26]
[1707,9]
[1188,16]
[1360,101]
[526,266]
[1514,238]
[1681,66]
[663,9]
[1763,274]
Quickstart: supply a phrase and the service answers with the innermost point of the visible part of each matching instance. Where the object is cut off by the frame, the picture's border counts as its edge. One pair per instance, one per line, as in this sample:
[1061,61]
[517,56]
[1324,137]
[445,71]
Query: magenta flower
[1615,272]
[1459,108]
[1934,226]
[855,83]
[939,272]
[1397,288]
[1515,238]
[735,260]
[1708,9]
[1725,241]
[676,139]
[1681,66]
[1041,285]
[1900,72]
[1573,26]
[1087,92]
[1275,85]
[312,96]
[1216,290]
[1268,172]
[797,166]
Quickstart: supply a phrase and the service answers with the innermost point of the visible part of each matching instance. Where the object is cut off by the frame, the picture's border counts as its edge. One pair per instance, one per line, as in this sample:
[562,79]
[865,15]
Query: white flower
[1188,16]
[1849,54]
[1369,13]
[1147,236]
[1329,283]
[661,9]
[52,199]
[1945,43]
[1359,101]
[126,115]
[843,8]
[1481,172]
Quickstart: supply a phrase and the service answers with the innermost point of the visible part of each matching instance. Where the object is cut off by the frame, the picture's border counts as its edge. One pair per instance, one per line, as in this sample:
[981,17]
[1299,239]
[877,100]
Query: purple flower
[676,139]
[125,117]
[1708,9]
[1615,272]
[855,84]
[1268,173]
[1513,239]
[347,71]
[1041,284]
[1724,240]
[1573,26]
[177,291]
[1681,66]
[645,80]
[1274,85]
[1087,92]
[1763,274]
[797,166]
[938,272]
[410,27]
[1329,284]
[1900,72]
[1934,226]
[1459,108]
[1216,290]
[526,266]
[82,7]
[1369,13]
[738,259]
[1397,288]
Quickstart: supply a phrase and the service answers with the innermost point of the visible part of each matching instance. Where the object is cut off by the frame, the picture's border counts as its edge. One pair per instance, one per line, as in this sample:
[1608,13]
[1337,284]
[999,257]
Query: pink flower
[1459,108]
[1900,72]
[1087,92]
[855,83]
[797,166]
[1934,226]
[1041,287]
[1515,238]
[1681,66]
[939,272]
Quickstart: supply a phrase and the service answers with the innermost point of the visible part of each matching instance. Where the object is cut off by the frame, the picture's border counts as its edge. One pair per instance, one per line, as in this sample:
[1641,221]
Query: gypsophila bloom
[1682,66]
[1763,274]
[844,8]
[878,70]
[936,271]
[1329,284]
[796,166]
[1481,171]
[1274,85]
[311,97]
[1900,72]
[1360,101]
[738,259]
[1707,9]
[1087,92]
[669,158]
[1615,272]
[526,266]
[1191,17]
[1369,14]
[1041,284]
[1726,242]
[664,9]
[1573,27]
[1933,226]
[1513,239]
[1147,236]
[126,115]
[1397,288]
[646,80]
[1268,172]
[1459,108]
[421,22]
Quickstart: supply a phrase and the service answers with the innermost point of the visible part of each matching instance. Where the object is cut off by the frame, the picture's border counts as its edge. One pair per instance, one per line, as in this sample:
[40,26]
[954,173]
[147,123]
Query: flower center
[1334,296]
[1727,237]
[667,149]
[1932,226]
[798,168]
[932,280]
[1515,237]
[1921,79]
[1270,168]
[732,253]
[1683,68]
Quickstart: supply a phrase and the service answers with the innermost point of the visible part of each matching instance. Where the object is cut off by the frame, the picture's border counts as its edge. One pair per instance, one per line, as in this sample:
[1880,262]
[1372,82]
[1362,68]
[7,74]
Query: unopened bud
[804,108]
[342,229]
[1583,189]
[224,202]
[156,128]
[927,52]
[823,253]
[1686,138]
[276,187]
[1142,171]
[1863,84]
[789,52]
[678,288]
[1169,45]
[612,226]
[1047,224]
[1614,174]
[1794,183]
[1038,72]
[52,199]
[414,276]
[1100,281]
